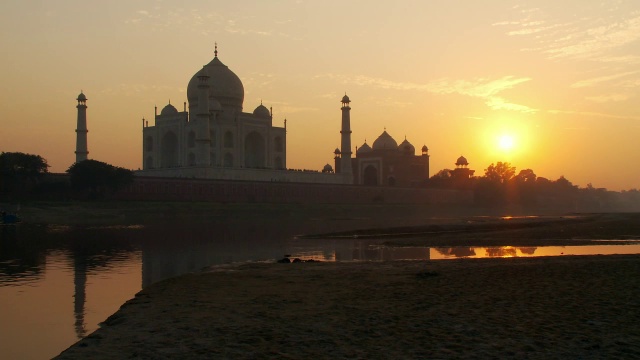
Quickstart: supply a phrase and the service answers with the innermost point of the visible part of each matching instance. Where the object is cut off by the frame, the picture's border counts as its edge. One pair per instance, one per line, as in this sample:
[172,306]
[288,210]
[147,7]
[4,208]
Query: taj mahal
[213,138]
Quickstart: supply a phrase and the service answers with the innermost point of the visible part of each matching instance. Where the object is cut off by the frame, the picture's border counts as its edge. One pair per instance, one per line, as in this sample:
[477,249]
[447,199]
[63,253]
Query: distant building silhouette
[462,170]
[81,129]
[461,176]
[387,163]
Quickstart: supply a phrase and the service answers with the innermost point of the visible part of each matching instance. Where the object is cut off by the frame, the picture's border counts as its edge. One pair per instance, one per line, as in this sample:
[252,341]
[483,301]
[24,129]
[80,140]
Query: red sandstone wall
[172,189]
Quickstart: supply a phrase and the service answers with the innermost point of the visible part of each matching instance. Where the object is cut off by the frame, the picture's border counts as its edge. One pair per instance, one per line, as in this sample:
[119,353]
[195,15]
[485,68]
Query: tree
[525,187]
[19,171]
[441,179]
[98,177]
[526,176]
[501,172]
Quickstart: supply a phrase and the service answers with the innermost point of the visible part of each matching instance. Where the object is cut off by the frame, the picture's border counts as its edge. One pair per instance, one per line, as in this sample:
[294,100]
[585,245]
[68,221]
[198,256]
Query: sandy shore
[555,307]
[561,307]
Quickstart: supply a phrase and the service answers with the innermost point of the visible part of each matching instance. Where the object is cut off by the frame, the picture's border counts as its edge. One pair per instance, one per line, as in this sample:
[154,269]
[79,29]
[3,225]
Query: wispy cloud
[601,79]
[134,89]
[588,37]
[282,108]
[203,21]
[609,98]
[594,114]
[487,89]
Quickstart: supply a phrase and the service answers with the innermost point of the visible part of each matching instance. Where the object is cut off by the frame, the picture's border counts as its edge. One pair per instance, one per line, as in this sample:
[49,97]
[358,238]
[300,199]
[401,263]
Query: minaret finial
[215,52]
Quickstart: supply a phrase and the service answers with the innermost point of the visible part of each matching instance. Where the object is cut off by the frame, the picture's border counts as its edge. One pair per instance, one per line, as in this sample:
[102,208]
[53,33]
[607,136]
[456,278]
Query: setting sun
[506,142]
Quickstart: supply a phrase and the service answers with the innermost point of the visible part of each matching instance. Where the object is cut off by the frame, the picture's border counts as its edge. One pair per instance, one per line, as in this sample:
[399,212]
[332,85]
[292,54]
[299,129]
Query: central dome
[224,85]
[385,142]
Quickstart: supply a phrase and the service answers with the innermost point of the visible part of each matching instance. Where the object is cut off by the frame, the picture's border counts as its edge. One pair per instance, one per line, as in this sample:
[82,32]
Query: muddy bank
[561,307]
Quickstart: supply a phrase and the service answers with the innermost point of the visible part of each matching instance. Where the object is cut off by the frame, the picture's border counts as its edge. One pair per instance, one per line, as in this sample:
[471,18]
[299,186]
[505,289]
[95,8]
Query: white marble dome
[224,85]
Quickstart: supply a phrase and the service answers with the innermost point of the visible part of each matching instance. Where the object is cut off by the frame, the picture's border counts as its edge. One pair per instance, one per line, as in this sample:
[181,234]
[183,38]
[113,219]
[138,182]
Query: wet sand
[549,307]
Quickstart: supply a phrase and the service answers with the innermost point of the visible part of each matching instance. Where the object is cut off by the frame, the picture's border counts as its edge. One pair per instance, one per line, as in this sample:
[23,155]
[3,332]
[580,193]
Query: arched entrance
[254,151]
[228,160]
[169,150]
[370,175]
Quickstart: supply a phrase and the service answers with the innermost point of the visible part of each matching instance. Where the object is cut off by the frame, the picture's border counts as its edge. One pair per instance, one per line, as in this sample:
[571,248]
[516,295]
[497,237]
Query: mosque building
[387,163]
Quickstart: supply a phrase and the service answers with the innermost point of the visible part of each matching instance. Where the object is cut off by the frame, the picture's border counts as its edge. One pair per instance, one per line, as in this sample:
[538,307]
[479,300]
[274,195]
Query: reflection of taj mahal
[215,139]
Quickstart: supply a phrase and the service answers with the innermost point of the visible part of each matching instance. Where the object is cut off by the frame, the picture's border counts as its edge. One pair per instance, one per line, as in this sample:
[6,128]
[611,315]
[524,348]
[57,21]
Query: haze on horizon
[543,85]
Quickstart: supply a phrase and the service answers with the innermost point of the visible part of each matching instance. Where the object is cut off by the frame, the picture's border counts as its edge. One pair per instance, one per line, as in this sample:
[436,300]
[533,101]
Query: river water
[57,283]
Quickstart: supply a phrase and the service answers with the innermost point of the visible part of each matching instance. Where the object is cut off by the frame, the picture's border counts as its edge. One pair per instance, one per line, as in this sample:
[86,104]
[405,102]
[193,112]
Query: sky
[546,85]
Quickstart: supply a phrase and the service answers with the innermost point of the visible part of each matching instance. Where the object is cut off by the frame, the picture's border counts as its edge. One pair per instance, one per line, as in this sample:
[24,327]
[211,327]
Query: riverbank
[553,307]
[560,307]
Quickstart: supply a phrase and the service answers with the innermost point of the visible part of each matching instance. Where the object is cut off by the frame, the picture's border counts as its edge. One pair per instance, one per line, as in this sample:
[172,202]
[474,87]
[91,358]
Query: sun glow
[506,142]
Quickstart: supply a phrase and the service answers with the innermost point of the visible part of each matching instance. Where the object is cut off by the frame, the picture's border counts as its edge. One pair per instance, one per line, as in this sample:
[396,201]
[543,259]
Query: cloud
[594,41]
[205,22]
[482,88]
[283,108]
[626,59]
[609,98]
[587,37]
[594,114]
[601,79]
[130,89]
[497,103]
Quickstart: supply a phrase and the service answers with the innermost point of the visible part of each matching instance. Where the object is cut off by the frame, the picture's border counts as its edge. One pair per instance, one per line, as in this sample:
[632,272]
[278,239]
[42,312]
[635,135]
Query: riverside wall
[227,191]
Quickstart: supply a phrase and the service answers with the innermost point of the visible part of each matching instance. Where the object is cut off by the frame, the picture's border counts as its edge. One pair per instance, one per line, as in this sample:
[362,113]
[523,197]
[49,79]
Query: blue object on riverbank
[10,219]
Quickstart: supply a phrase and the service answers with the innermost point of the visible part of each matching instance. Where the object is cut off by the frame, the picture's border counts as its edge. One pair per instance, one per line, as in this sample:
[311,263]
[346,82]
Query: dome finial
[215,52]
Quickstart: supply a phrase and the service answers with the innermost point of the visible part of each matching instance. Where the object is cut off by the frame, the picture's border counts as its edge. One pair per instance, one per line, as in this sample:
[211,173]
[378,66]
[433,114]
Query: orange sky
[560,78]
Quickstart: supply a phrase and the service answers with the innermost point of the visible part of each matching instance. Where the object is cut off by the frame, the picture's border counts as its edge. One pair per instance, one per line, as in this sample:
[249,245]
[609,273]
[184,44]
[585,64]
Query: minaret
[345,159]
[81,129]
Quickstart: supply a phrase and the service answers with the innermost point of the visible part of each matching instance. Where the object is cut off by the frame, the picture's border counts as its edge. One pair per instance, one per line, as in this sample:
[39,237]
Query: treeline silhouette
[26,176]
[501,186]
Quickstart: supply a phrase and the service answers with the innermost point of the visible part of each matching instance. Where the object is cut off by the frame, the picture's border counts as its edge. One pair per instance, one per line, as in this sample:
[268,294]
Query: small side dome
[365,148]
[81,97]
[169,110]
[262,112]
[345,99]
[425,149]
[406,148]
[385,142]
[462,161]
[327,169]
[337,151]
